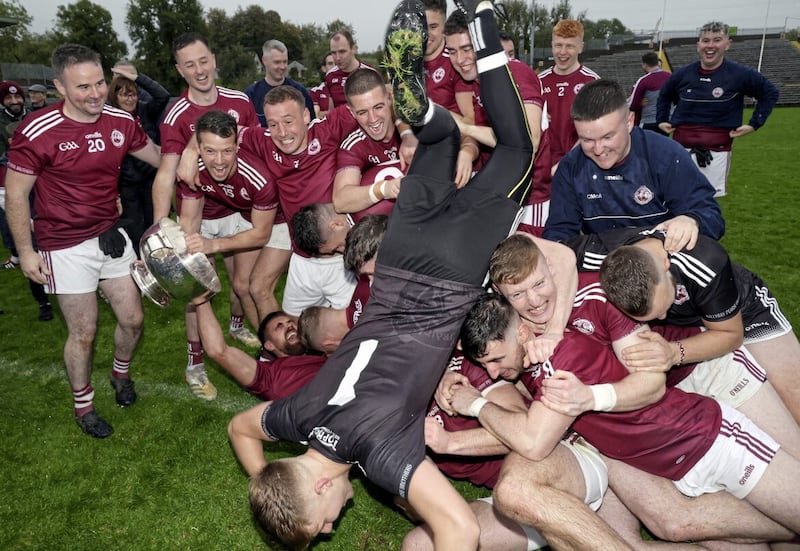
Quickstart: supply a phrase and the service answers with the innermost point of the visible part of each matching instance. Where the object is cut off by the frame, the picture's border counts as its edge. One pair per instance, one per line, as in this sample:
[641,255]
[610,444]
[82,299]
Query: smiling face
[128,99]
[198,67]
[533,298]
[287,122]
[711,46]
[281,336]
[84,89]
[373,111]
[435,43]
[218,154]
[607,140]
[275,63]
[462,55]
[565,53]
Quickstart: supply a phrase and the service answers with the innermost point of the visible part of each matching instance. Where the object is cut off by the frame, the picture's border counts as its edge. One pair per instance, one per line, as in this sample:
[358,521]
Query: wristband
[406,132]
[382,190]
[682,351]
[605,397]
[477,405]
[374,198]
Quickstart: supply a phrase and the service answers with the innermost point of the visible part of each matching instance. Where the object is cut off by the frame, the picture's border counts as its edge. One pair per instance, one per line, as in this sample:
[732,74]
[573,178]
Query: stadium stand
[780,62]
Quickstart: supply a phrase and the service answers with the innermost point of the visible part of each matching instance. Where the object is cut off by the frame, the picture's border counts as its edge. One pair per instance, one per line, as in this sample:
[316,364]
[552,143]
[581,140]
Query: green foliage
[153,25]
[89,24]
[13,36]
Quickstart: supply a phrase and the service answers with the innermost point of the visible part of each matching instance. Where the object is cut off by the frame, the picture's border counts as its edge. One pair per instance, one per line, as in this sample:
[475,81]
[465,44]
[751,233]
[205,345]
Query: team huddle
[492,276]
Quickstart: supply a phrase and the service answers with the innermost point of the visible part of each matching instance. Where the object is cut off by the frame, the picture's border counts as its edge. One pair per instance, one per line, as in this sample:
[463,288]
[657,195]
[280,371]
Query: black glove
[702,155]
[112,242]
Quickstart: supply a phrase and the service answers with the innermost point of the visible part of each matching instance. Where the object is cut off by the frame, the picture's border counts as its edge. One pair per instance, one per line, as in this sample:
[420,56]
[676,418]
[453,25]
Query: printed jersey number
[96,145]
[346,391]
[561,91]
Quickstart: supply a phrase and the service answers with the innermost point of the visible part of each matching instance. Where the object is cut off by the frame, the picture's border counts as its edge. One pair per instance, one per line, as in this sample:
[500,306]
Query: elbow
[533,451]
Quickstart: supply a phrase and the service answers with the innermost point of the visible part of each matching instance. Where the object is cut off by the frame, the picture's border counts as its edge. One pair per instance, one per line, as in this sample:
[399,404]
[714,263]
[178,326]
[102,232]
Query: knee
[241,287]
[418,539]
[671,528]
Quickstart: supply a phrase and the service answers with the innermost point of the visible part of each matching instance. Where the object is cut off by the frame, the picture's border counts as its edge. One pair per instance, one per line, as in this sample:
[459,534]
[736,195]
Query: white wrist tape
[605,397]
[477,405]
[372,196]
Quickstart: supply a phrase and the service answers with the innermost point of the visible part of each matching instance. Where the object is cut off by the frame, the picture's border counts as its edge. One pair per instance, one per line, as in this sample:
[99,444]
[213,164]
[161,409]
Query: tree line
[236,39]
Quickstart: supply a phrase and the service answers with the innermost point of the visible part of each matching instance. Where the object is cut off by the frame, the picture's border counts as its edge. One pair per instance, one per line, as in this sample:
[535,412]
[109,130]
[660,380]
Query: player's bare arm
[247,438]
[18,214]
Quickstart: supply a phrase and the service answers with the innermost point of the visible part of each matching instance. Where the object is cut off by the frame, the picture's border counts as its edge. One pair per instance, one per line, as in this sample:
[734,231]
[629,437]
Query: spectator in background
[708,96]
[561,83]
[319,93]
[13,110]
[508,45]
[37,93]
[275,58]
[343,49]
[136,177]
[644,97]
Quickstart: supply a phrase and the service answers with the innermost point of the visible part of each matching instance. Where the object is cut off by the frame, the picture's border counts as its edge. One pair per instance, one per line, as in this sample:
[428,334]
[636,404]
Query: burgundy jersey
[320,96]
[245,190]
[559,92]
[389,170]
[334,82]
[177,127]
[358,301]
[531,92]
[77,166]
[305,177]
[282,377]
[359,151]
[666,438]
[440,81]
[593,314]
[482,471]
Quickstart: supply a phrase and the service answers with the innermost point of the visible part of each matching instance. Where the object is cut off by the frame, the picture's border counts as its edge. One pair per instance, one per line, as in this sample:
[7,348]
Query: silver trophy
[167,269]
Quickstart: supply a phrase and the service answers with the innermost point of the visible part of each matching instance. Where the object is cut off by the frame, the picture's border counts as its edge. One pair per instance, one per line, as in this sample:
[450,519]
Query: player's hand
[391,188]
[196,243]
[126,70]
[463,396]
[655,355]
[564,393]
[539,349]
[682,232]
[444,390]
[666,127]
[408,146]
[741,131]
[463,168]
[33,266]
[112,242]
[436,438]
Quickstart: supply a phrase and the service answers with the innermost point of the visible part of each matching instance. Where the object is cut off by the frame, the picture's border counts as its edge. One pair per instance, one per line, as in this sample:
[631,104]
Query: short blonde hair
[513,260]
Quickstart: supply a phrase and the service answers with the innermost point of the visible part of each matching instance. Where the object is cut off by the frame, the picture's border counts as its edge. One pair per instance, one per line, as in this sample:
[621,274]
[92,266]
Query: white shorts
[732,378]
[536,215]
[736,460]
[279,238]
[595,472]
[225,226]
[317,282]
[79,269]
[535,539]
[717,170]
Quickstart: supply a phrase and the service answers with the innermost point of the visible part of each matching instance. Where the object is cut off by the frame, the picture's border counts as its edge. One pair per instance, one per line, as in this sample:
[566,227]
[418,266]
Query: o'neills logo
[326,437]
[747,472]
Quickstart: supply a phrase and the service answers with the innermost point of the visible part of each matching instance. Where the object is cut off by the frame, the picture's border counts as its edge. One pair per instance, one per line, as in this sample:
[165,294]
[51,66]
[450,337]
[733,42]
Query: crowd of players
[620,363]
